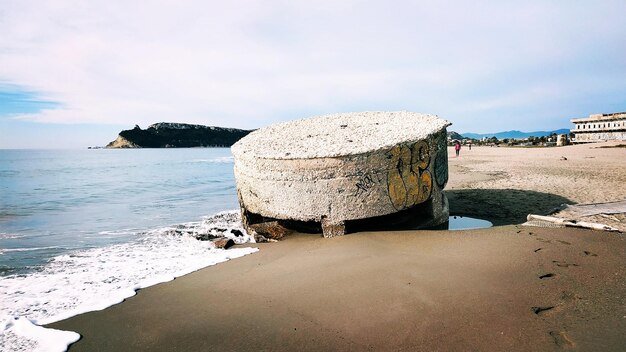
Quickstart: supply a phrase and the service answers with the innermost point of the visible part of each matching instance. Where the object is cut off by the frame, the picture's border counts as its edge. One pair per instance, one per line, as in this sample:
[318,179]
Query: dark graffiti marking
[366,183]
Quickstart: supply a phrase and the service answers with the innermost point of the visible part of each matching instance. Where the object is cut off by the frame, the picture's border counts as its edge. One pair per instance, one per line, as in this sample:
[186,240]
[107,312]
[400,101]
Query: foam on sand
[94,279]
[47,339]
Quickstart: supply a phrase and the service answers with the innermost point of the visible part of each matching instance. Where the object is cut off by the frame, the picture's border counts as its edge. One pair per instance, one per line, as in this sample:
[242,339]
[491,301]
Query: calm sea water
[55,201]
[81,230]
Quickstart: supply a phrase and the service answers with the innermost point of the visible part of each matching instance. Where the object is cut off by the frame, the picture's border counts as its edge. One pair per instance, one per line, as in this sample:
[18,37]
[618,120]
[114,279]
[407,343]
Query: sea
[81,230]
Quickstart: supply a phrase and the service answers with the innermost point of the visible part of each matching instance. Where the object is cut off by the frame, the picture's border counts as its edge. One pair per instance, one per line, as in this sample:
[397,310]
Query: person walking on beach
[457,148]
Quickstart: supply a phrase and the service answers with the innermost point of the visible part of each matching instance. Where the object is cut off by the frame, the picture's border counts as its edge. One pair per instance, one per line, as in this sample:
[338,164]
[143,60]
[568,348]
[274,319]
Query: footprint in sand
[541,310]
[537,250]
[561,340]
[564,242]
[563,264]
[587,253]
[568,296]
[547,276]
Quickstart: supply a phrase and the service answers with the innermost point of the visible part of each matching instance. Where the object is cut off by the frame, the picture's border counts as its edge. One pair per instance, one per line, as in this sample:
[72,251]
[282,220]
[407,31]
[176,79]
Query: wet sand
[504,288]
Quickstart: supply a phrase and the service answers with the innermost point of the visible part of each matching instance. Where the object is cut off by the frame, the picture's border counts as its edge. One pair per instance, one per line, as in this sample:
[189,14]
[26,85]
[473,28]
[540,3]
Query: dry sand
[508,288]
[504,184]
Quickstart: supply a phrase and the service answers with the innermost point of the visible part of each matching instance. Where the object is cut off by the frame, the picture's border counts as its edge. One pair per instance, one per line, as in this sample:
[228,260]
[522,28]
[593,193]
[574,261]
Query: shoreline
[411,290]
[482,289]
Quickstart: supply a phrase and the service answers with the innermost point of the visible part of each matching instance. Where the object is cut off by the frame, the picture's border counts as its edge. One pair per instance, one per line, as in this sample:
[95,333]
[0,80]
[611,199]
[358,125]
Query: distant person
[470,146]
[457,148]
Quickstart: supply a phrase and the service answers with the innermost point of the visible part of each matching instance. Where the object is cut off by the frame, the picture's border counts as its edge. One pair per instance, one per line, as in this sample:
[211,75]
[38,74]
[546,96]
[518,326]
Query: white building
[600,127]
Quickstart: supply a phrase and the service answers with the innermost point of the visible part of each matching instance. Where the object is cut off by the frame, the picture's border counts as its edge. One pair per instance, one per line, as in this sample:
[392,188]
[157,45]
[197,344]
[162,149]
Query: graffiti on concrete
[366,183]
[441,164]
[408,180]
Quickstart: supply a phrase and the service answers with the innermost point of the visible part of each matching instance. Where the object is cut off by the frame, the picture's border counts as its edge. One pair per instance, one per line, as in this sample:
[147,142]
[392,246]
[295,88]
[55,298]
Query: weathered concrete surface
[337,168]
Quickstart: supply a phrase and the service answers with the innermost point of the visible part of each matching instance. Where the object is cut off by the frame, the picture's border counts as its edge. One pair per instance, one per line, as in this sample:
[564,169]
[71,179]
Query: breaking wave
[93,279]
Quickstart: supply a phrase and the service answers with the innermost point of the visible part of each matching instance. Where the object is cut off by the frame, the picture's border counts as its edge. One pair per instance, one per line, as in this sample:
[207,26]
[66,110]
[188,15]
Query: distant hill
[177,135]
[515,134]
[454,135]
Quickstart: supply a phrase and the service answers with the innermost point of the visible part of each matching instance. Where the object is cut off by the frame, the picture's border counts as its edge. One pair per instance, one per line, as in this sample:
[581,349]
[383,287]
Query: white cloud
[249,63]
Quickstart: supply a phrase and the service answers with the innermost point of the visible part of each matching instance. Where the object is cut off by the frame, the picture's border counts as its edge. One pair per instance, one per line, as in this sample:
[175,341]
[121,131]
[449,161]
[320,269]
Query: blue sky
[74,74]
[15,101]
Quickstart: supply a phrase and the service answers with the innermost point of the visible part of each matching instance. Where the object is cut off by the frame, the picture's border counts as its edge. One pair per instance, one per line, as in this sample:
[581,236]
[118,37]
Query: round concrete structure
[342,167]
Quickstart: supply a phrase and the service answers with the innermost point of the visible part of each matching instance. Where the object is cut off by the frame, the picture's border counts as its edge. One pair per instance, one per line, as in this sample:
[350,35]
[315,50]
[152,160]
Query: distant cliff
[177,135]
[454,135]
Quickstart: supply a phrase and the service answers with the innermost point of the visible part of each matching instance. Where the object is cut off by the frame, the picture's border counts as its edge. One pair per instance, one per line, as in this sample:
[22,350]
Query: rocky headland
[454,135]
[177,135]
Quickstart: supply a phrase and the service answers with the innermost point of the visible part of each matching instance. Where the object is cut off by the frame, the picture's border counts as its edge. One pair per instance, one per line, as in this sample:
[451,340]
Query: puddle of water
[466,223]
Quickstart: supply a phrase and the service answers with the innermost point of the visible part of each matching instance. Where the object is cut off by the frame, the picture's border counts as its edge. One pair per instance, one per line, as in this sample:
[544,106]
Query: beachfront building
[600,127]
[562,140]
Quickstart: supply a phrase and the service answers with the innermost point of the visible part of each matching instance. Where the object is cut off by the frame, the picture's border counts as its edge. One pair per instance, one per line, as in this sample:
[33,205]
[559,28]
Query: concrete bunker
[345,169]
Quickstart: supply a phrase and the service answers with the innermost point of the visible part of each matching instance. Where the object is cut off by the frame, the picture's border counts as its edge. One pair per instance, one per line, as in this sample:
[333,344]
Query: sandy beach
[506,184]
[508,287]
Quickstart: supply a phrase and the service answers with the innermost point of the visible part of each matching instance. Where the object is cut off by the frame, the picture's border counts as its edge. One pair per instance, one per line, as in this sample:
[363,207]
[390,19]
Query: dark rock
[272,230]
[206,237]
[236,232]
[223,242]
[262,239]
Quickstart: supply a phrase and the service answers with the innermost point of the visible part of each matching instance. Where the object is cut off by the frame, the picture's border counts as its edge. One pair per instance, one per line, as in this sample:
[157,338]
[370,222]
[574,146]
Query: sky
[75,73]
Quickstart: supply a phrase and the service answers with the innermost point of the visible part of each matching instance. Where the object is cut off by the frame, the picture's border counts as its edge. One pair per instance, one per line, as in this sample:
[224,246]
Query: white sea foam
[26,249]
[4,236]
[97,278]
[28,336]
[218,160]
